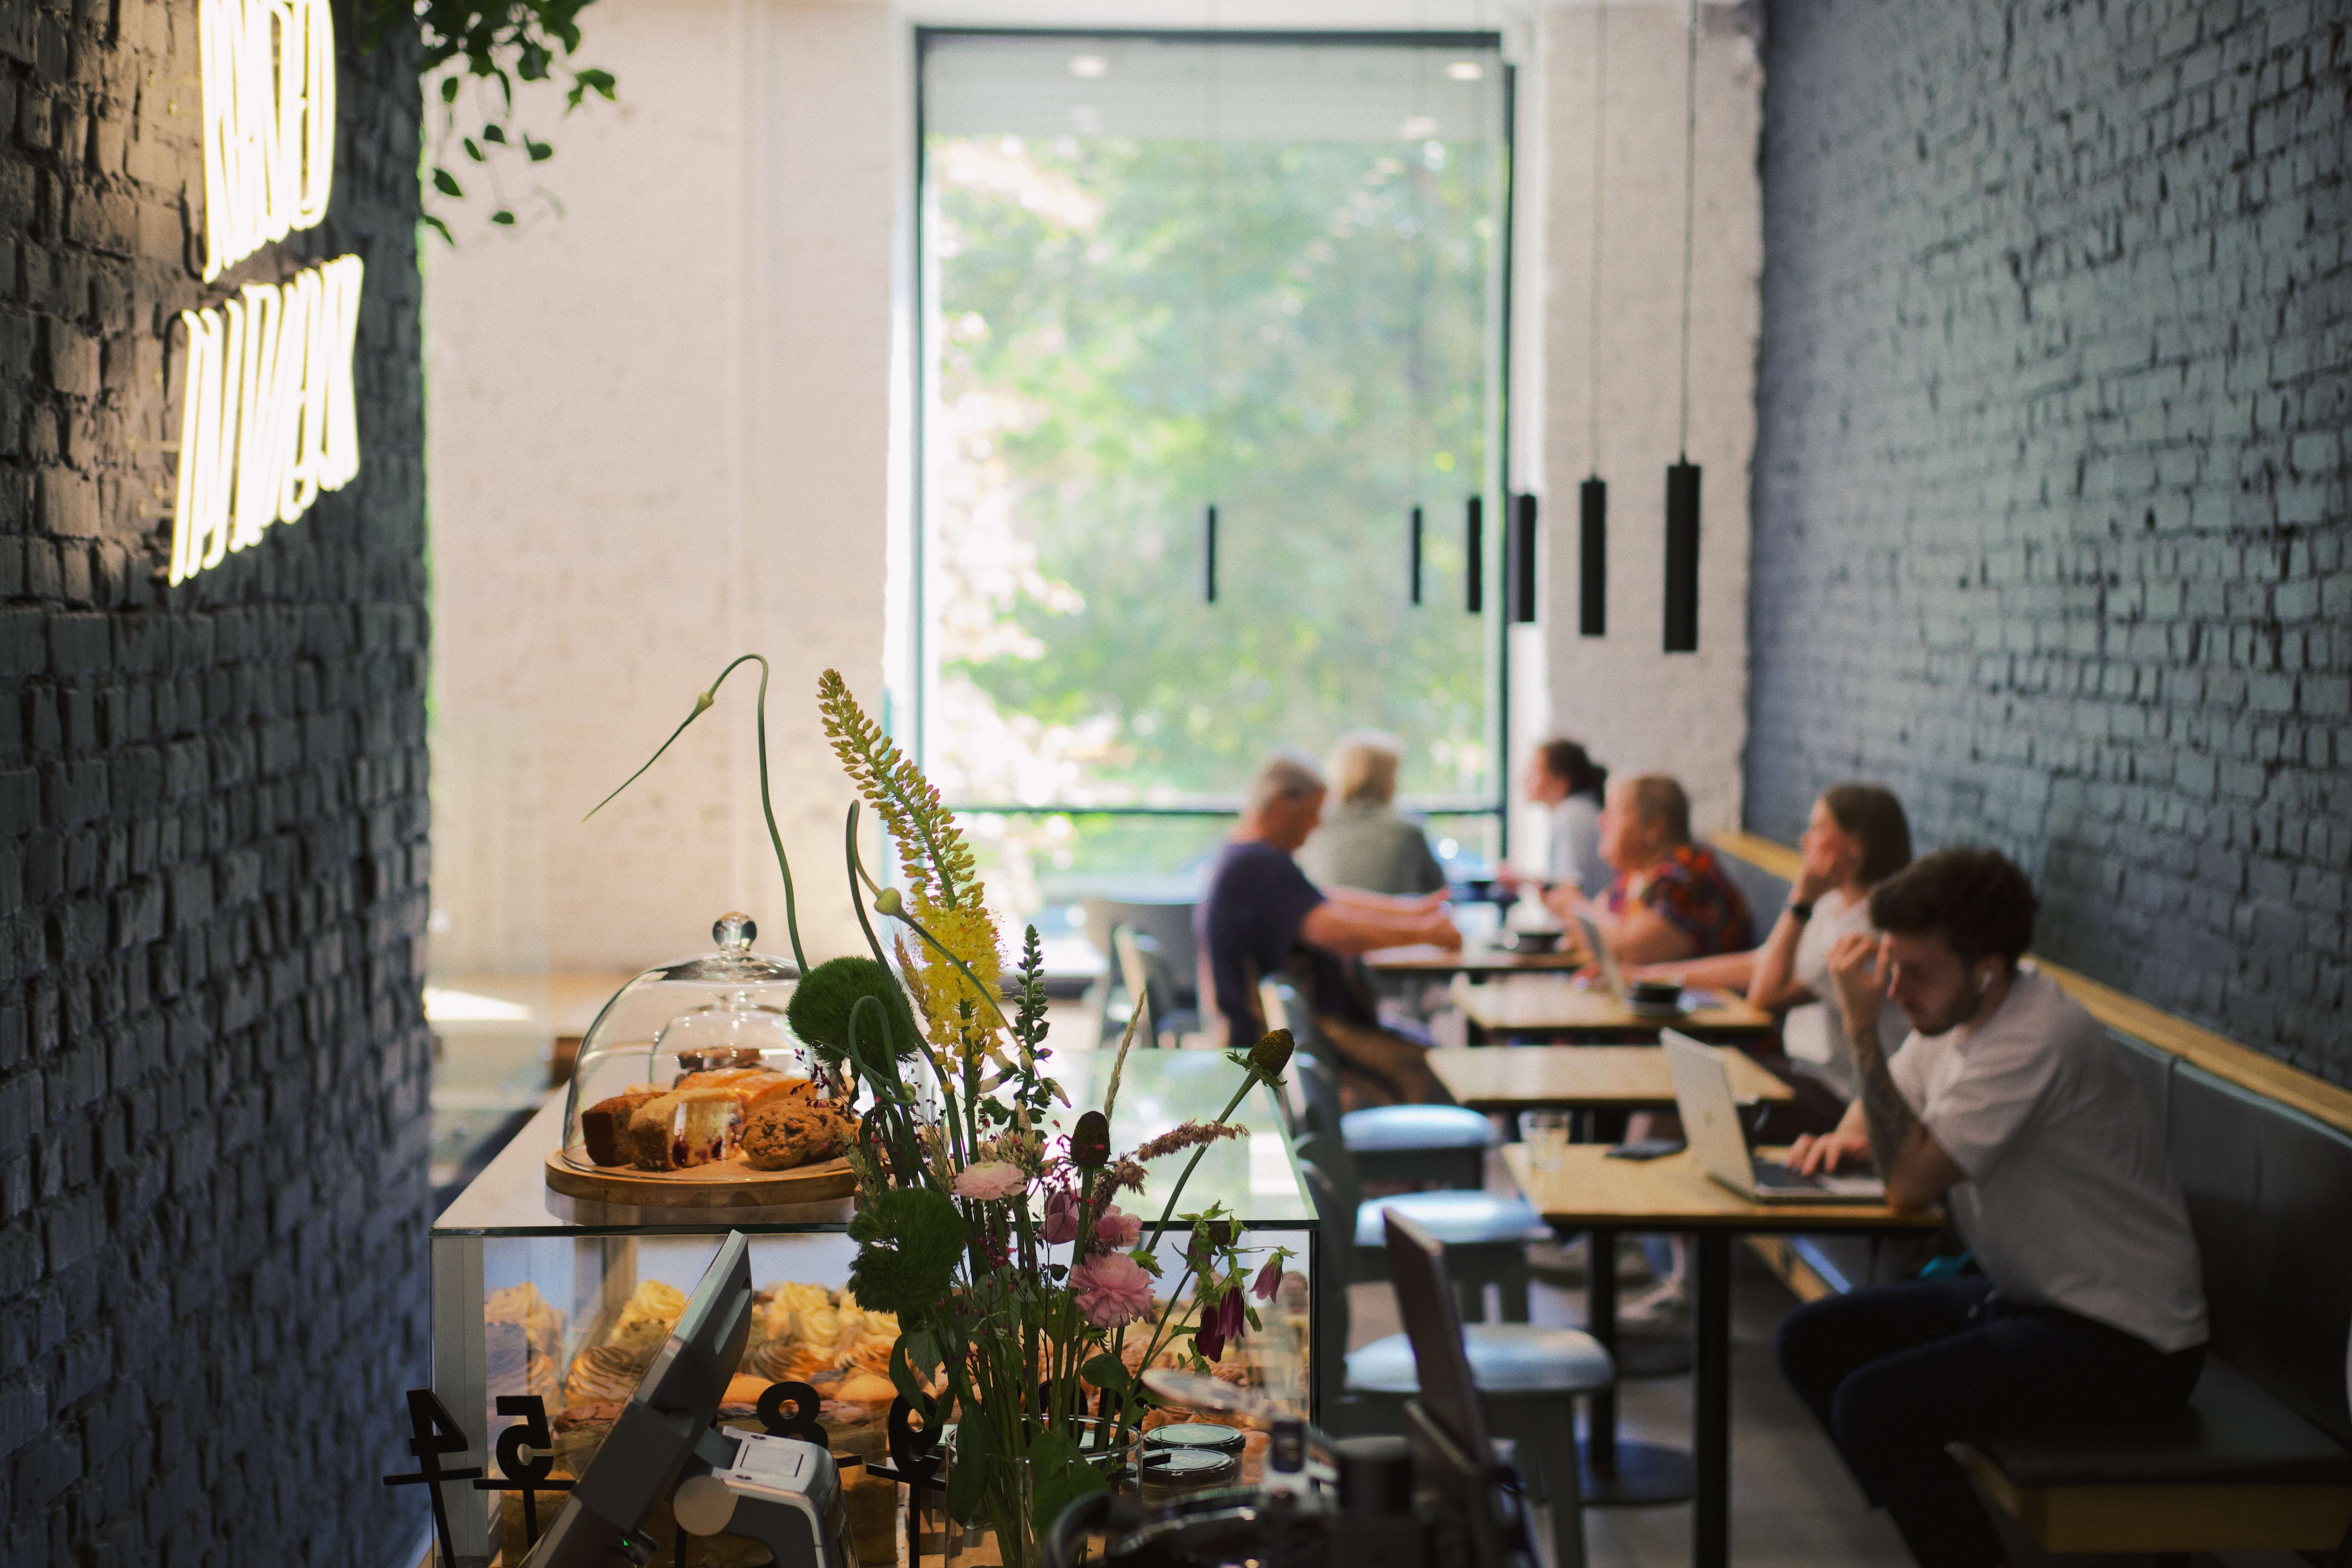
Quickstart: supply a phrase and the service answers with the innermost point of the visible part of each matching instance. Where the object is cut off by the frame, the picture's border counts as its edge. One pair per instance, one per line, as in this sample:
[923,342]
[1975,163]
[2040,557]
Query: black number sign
[802,1422]
[433,1432]
[517,1474]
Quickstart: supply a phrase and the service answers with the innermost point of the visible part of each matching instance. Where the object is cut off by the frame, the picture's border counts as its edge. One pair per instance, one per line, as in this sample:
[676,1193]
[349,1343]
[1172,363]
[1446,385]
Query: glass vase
[1004,1531]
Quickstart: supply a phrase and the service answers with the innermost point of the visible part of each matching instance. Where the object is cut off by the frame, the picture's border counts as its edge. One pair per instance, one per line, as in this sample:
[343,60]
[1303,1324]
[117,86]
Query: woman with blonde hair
[1363,842]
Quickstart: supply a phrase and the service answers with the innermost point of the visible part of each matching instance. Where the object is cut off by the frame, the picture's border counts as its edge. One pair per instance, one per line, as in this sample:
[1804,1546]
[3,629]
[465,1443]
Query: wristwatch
[1802,911]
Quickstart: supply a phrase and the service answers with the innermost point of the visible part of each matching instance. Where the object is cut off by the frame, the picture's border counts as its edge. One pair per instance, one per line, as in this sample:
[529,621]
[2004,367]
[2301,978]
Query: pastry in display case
[692,1091]
[537,1294]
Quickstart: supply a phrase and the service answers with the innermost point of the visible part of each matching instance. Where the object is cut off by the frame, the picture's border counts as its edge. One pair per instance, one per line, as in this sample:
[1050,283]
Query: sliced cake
[684,1128]
[605,1126]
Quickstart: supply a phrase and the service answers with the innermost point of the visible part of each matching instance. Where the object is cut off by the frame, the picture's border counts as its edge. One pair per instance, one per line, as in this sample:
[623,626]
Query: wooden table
[1587,1191]
[1471,958]
[1582,1078]
[1557,1008]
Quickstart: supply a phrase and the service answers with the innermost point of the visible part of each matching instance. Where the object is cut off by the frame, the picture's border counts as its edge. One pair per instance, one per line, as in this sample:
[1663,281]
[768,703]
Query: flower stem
[1177,1191]
[702,703]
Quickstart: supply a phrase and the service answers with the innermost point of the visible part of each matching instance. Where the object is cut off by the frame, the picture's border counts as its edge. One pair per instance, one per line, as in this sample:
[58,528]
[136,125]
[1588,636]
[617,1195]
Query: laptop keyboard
[1773,1175]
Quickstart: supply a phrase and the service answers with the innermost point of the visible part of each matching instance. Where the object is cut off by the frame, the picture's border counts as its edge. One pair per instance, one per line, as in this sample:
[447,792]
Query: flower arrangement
[1022,1285]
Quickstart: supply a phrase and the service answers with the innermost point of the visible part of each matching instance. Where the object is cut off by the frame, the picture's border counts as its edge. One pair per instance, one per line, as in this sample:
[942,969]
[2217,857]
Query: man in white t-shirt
[2012,1106]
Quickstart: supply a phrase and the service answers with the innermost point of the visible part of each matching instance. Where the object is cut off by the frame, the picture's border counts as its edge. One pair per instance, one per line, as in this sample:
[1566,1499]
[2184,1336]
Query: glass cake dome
[722,1010]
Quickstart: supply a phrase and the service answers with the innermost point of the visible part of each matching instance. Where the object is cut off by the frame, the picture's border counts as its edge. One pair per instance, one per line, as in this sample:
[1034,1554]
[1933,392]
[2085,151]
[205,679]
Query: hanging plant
[487,45]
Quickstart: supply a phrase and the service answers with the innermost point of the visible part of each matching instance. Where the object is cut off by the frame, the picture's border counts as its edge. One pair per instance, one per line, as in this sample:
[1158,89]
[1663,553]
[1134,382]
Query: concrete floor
[1791,1500]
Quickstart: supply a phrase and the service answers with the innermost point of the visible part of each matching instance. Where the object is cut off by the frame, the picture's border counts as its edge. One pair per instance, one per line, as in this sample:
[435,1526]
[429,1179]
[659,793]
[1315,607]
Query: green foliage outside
[1126,330]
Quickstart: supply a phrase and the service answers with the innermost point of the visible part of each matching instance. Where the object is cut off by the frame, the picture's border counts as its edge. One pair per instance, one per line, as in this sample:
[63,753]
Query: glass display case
[534,1293]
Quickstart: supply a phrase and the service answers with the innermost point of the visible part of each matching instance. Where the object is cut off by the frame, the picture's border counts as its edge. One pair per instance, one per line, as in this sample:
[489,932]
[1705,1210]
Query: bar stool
[1487,1234]
[1528,1377]
[1413,1144]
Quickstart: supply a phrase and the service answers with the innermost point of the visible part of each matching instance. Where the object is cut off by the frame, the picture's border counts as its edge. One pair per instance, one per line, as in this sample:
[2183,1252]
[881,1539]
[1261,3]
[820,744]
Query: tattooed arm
[1916,1169]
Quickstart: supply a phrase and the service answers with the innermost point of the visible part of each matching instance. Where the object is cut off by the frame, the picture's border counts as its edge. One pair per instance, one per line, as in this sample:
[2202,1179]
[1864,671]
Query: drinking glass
[1546,1133]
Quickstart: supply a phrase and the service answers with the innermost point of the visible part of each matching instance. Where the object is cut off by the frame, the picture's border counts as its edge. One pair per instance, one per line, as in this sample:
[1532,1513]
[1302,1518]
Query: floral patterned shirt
[1690,891]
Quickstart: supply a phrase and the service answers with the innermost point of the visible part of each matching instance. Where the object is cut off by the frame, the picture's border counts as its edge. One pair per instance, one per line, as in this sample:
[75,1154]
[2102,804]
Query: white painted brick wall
[661,435]
[1638,708]
[665,429]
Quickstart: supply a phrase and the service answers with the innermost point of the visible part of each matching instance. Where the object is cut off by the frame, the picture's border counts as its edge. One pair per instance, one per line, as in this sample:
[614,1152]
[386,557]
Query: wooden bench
[2263,1459]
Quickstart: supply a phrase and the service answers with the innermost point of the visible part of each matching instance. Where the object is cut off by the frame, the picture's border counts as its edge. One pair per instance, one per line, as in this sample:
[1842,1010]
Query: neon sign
[267,419]
[267,412]
[268,68]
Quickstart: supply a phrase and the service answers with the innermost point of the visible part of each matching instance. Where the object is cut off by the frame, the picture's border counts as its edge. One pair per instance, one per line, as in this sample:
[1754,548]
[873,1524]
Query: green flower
[820,1007]
[909,1239]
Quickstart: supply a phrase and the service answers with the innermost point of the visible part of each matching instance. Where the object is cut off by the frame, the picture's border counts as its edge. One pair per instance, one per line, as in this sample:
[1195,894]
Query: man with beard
[2010,1105]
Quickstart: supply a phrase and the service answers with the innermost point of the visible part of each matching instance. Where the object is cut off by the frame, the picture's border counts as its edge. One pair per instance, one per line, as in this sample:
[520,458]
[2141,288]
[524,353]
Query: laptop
[1612,975]
[1711,1126]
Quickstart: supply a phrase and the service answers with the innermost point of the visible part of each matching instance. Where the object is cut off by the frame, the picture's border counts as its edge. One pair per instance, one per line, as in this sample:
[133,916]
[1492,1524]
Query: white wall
[659,436]
[670,425]
[1638,708]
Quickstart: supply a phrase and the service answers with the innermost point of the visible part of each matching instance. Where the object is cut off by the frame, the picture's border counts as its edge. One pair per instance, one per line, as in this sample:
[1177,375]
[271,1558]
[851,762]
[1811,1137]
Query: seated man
[2010,1104]
[1262,915]
[1671,898]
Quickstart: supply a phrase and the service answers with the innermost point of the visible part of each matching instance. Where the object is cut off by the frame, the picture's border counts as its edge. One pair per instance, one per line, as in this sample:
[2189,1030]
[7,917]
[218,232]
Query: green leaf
[1107,1371]
[1058,1477]
[910,1241]
[503,218]
[967,1474]
[437,226]
[494,133]
[472,151]
[446,184]
[539,151]
[448,90]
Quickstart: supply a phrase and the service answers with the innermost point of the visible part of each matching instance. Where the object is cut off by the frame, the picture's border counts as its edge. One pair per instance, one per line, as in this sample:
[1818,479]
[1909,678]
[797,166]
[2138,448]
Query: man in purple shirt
[1263,916]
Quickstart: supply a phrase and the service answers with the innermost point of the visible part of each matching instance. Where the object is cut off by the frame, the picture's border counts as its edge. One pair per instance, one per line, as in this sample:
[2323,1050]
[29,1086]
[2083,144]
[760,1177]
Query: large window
[1168,278]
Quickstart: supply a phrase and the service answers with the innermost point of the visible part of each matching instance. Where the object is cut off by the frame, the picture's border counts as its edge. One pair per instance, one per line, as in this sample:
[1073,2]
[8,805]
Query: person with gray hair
[1363,842]
[1263,916]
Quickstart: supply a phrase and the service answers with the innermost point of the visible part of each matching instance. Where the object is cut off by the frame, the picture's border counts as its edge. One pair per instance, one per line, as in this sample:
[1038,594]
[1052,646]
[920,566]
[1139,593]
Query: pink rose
[1061,1226]
[1117,1229]
[989,1180]
[1112,1289]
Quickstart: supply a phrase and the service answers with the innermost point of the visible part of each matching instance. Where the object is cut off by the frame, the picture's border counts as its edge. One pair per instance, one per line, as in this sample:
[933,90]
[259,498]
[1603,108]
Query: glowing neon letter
[268,74]
[268,419]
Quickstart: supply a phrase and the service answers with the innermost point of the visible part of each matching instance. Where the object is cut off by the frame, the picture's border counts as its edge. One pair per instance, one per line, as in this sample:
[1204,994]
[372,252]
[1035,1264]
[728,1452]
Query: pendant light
[1417,444]
[1593,494]
[1682,476]
[1212,294]
[1523,559]
[1473,555]
[1412,556]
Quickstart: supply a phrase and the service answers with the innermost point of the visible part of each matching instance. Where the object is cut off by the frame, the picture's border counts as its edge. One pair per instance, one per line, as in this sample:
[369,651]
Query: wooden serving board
[725,1184]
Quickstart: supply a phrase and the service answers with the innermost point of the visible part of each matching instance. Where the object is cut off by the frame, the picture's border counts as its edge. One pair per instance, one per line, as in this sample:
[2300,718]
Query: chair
[1527,1375]
[1169,925]
[1410,1144]
[1152,986]
[1487,1234]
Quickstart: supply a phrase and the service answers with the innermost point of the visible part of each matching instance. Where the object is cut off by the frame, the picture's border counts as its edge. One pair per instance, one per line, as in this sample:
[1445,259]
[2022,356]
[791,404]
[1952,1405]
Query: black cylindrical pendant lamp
[1473,555]
[1523,561]
[1592,558]
[1412,556]
[1682,557]
[1208,556]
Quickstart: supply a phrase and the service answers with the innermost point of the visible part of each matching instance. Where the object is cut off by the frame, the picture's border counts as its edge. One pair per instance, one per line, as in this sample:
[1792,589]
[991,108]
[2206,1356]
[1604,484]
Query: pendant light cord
[1600,184]
[1690,199]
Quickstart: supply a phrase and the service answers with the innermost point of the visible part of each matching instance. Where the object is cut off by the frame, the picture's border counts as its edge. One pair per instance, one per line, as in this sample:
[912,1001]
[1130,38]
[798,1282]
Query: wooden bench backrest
[2264,1156]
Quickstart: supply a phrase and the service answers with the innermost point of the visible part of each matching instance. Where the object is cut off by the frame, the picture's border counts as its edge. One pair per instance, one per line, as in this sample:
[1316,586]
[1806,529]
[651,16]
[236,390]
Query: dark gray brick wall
[2050,484]
[213,1058]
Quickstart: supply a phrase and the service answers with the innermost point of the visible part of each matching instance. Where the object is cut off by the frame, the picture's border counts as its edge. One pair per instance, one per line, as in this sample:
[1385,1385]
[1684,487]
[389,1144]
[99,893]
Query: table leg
[1619,1474]
[1711,1353]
